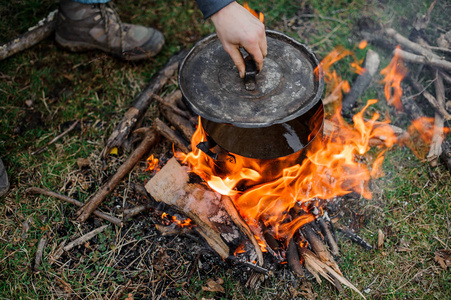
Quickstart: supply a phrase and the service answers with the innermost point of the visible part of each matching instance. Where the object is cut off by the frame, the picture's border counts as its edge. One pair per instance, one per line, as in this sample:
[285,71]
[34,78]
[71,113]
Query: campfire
[257,212]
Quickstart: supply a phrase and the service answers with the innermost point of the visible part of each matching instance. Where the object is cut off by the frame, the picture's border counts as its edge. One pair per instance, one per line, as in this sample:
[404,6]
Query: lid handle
[250,73]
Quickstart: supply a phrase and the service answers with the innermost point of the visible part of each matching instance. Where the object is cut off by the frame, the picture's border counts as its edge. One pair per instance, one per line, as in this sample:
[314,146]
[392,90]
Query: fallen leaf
[380,239]
[83,162]
[443,258]
[214,286]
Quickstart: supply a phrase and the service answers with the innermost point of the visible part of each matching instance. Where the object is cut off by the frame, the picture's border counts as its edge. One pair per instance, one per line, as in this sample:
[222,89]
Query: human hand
[237,27]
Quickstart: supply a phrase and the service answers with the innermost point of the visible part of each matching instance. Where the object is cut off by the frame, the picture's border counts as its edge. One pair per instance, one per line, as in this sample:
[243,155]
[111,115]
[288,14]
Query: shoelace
[108,13]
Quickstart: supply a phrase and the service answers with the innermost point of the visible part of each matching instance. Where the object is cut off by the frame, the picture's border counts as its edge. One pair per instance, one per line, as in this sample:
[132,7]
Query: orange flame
[394,73]
[363,44]
[259,15]
[264,193]
[422,131]
[152,163]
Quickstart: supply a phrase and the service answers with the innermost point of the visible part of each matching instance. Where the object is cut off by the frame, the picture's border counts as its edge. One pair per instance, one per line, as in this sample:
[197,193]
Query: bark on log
[170,185]
[35,190]
[36,34]
[141,103]
[172,136]
[371,66]
[149,139]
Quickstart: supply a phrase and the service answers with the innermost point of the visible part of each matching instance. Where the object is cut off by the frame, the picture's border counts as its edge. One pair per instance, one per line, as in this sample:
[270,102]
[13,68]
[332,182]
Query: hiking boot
[82,27]
[4,183]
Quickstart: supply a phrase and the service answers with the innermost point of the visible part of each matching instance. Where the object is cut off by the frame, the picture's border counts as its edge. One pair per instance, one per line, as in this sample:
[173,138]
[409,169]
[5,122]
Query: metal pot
[272,114]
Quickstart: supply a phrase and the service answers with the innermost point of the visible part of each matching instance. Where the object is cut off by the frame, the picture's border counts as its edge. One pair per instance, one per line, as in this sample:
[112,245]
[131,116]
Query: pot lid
[285,88]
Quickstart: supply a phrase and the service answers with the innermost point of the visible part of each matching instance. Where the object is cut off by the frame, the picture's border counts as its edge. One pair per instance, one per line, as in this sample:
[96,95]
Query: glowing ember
[394,73]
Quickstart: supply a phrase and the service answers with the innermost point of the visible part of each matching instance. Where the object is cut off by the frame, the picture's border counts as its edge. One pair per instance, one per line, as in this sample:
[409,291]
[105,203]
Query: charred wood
[148,141]
[293,259]
[354,237]
[141,104]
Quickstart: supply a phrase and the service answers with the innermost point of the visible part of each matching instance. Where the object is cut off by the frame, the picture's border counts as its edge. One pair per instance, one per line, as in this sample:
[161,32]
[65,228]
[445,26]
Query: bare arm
[237,27]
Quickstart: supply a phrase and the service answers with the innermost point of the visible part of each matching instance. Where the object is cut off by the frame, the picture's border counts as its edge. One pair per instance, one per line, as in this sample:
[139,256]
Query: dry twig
[35,190]
[149,139]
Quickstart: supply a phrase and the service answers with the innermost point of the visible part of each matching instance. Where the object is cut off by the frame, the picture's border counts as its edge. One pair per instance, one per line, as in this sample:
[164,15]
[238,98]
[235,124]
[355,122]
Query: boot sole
[78,46]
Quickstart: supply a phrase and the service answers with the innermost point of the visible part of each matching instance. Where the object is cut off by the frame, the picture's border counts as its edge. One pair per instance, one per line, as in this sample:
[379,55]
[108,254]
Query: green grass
[44,89]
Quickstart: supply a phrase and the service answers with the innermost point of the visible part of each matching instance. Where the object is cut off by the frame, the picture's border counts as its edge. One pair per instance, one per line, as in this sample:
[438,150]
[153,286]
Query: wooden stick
[433,62]
[131,212]
[330,240]
[42,149]
[242,225]
[141,103]
[35,190]
[179,122]
[85,238]
[362,81]
[293,258]
[171,103]
[354,237]
[439,136]
[34,35]
[171,135]
[149,139]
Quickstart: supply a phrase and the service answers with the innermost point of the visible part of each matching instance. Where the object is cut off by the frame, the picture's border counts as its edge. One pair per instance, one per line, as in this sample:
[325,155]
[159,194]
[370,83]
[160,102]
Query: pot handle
[209,144]
[250,73]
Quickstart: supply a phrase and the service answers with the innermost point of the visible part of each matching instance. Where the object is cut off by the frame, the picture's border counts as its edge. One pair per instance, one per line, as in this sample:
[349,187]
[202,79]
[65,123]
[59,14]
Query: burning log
[293,258]
[35,34]
[171,135]
[141,103]
[205,207]
[149,139]
[371,66]
[34,190]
